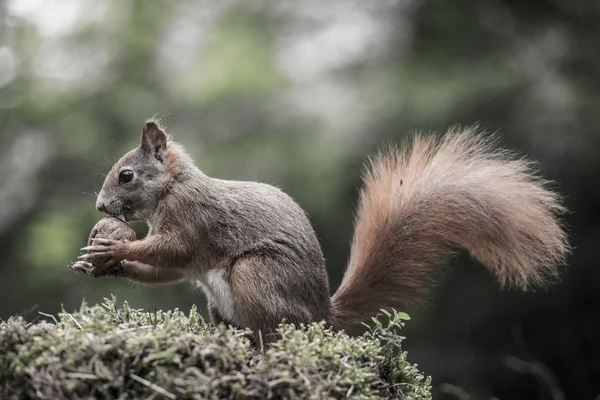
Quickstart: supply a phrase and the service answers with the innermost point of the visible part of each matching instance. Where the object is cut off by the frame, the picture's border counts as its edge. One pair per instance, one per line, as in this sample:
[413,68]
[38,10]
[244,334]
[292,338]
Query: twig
[74,320]
[538,371]
[454,390]
[276,382]
[49,315]
[535,368]
[304,378]
[77,375]
[262,344]
[152,386]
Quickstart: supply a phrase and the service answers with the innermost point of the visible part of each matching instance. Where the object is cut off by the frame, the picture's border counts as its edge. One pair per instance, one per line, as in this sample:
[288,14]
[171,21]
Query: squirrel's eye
[125,176]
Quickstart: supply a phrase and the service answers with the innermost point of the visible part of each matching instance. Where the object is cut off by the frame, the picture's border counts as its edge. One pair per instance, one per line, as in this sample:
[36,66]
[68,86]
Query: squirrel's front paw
[103,254]
[90,269]
[83,267]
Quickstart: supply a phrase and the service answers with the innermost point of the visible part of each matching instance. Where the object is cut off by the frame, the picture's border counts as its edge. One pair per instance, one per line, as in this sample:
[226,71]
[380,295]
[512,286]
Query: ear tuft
[154,140]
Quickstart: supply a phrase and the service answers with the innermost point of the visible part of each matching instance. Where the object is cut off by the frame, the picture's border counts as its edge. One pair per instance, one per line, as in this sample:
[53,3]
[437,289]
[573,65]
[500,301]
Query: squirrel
[254,253]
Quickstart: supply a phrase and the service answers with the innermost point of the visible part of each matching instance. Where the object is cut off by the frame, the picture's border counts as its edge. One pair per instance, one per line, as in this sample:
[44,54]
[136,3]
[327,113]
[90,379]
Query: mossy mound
[105,352]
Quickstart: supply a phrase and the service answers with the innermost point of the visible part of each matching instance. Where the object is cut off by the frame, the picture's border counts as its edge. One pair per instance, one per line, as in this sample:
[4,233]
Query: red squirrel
[254,253]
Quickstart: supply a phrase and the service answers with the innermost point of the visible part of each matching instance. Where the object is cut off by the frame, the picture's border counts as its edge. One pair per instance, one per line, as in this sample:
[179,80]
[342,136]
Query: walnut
[106,228]
[112,228]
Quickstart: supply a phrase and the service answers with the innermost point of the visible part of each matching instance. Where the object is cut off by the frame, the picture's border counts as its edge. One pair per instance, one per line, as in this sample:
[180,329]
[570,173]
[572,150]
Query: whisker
[160,117]
[110,151]
[105,162]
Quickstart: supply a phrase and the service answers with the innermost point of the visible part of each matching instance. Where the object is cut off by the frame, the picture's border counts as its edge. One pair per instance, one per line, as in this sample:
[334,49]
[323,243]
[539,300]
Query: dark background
[297,94]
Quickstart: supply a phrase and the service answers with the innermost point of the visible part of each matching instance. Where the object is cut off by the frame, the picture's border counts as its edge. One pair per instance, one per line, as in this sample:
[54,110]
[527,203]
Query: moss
[105,352]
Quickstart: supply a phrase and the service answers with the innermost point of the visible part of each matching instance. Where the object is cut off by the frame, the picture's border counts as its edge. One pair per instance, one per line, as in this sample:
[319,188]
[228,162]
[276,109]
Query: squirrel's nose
[101,207]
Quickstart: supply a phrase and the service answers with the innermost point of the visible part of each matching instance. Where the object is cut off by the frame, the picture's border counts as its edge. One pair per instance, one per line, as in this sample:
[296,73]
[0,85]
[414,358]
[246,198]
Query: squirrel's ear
[154,140]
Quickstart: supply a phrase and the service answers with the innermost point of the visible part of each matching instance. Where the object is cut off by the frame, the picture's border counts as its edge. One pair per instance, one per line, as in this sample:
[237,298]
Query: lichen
[110,352]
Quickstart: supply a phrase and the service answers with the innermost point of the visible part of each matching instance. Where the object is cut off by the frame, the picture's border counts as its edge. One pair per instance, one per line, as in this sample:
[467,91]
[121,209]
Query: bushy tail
[420,204]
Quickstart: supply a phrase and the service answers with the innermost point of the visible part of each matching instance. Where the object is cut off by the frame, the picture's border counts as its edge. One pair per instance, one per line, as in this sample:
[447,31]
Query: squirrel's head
[134,185]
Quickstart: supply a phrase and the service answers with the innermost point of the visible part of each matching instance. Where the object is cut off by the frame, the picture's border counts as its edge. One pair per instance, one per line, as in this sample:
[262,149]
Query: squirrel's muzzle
[100,206]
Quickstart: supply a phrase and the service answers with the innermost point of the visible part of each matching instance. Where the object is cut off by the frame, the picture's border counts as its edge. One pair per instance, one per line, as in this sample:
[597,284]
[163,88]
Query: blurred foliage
[297,94]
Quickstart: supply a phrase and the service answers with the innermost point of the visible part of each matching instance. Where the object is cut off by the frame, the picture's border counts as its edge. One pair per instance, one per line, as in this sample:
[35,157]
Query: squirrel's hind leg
[265,295]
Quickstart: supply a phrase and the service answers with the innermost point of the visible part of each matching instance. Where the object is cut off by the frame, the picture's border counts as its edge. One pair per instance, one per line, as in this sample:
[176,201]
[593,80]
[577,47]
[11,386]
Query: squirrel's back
[254,214]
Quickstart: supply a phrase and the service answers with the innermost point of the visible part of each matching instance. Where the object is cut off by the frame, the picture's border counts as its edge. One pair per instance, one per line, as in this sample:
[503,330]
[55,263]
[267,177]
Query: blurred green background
[297,94]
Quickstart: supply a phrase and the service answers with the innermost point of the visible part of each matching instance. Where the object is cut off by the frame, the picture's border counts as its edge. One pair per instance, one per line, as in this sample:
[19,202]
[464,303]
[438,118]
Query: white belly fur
[215,285]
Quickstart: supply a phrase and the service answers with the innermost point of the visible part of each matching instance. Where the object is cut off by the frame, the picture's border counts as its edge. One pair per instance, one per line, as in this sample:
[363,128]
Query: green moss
[107,352]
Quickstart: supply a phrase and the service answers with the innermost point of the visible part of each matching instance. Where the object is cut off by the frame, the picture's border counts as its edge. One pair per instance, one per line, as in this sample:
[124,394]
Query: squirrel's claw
[101,245]
[94,249]
[90,269]
[89,256]
[102,253]
[105,242]
[87,268]
[100,256]
[81,267]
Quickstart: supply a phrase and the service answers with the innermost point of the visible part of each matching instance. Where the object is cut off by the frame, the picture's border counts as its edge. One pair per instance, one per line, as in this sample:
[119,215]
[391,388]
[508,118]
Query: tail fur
[422,203]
